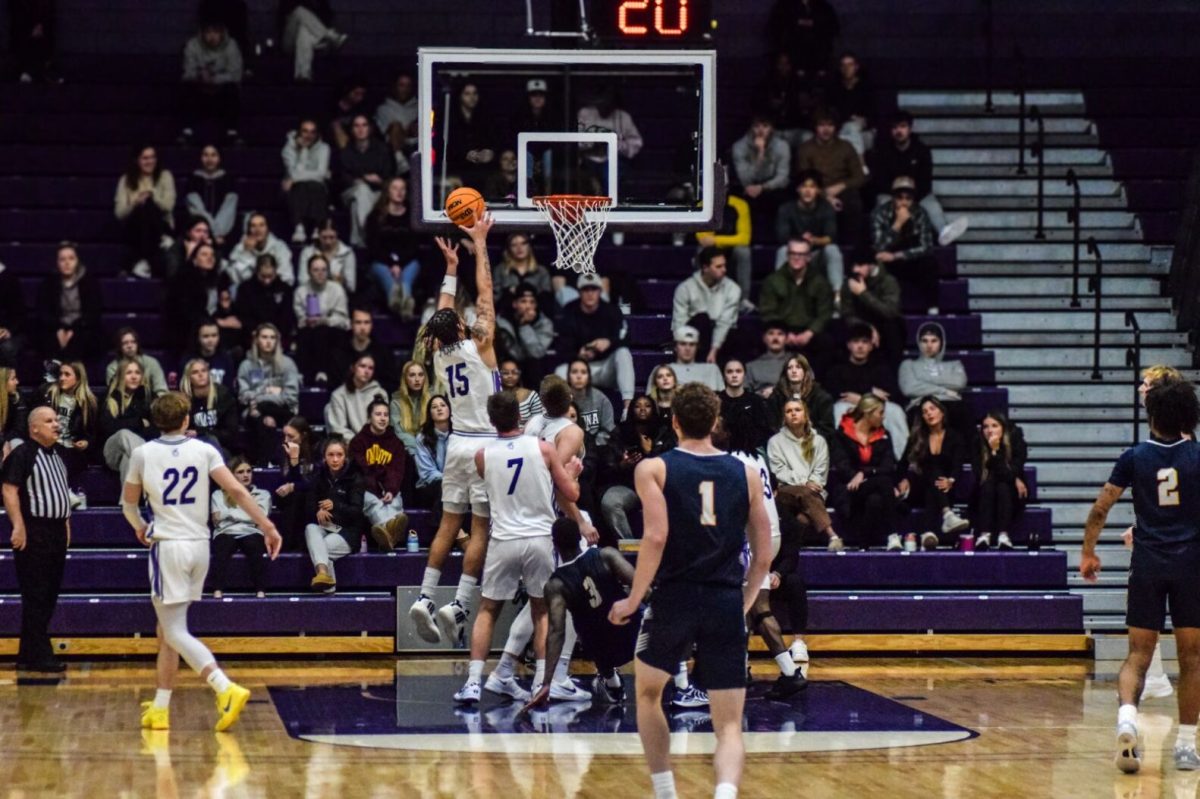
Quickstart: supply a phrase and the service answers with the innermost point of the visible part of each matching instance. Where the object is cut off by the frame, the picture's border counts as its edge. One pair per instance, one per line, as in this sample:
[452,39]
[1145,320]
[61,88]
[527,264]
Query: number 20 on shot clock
[653,21]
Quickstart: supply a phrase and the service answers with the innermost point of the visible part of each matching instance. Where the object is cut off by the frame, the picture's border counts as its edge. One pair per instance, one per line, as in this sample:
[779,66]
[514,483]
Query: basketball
[464,206]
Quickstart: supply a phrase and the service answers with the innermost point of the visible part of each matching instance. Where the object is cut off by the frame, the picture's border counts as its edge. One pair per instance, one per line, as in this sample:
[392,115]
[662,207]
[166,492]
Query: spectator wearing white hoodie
[212,78]
[306,175]
[707,301]
[259,240]
[928,375]
[323,322]
[349,408]
[343,265]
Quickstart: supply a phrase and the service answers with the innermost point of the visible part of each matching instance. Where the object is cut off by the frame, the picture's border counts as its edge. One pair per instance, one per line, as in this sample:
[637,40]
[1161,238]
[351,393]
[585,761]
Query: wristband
[450,285]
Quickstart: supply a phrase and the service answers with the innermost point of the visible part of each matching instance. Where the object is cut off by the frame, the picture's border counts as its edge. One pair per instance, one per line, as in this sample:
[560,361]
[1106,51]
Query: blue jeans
[383,276]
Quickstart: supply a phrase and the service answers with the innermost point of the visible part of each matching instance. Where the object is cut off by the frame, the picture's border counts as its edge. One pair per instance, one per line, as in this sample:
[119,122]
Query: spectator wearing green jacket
[802,301]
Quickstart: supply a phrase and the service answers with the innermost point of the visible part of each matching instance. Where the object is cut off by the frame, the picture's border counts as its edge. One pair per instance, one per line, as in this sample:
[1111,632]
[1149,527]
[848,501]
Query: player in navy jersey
[698,506]
[1164,571]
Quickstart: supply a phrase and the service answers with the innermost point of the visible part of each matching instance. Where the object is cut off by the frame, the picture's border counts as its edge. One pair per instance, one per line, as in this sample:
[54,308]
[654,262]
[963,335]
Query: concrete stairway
[1022,286]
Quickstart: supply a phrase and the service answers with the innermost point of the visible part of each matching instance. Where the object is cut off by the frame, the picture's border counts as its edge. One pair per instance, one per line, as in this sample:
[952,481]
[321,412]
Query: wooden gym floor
[1045,728]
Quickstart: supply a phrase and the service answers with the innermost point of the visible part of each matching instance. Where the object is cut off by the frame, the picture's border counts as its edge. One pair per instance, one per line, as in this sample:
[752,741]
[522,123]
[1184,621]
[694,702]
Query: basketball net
[578,222]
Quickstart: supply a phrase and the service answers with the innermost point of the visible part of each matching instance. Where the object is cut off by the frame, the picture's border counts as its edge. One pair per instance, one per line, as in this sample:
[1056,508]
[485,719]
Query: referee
[38,504]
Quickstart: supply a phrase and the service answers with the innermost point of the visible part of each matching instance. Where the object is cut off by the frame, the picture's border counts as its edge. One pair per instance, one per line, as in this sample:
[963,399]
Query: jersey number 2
[1168,487]
[173,478]
[456,380]
[708,510]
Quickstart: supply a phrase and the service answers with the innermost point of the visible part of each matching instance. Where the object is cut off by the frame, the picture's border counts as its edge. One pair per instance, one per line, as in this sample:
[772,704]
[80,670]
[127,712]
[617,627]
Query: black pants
[39,574]
[866,517]
[220,102]
[320,349]
[930,499]
[997,506]
[918,279]
[252,546]
[850,220]
[308,204]
[144,229]
[266,442]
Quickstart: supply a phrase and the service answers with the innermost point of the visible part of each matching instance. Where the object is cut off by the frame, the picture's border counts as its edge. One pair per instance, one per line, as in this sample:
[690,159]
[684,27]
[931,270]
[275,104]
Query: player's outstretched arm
[484,330]
[450,282]
[758,534]
[230,485]
[648,479]
[1089,563]
[556,610]
[564,481]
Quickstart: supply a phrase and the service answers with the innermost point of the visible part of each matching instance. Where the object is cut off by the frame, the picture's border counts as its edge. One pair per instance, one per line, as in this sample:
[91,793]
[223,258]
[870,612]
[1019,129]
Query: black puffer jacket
[346,490]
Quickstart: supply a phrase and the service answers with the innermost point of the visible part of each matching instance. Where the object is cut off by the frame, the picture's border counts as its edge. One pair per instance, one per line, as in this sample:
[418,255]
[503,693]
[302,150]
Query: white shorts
[775,543]
[519,559]
[177,570]
[462,487]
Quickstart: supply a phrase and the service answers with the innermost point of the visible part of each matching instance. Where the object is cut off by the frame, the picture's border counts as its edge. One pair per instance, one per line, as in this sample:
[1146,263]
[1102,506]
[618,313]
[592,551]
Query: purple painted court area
[420,705]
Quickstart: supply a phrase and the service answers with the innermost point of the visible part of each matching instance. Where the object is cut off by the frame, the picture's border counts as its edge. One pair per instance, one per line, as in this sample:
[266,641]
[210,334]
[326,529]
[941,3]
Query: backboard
[638,127]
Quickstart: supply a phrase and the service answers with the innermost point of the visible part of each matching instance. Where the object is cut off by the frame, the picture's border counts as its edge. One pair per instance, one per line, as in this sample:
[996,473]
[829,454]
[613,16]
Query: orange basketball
[464,206]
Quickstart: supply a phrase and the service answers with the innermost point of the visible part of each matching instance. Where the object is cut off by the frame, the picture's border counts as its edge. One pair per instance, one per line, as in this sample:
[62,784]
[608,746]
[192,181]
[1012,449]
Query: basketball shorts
[707,616]
[510,562]
[1151,594]
[177,570]
[607,645]
[745,557]
[462,487]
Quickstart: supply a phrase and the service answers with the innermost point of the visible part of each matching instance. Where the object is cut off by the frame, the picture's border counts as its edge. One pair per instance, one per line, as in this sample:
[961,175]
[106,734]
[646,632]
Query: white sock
[1186,735]
[786,665]
[162,697]
[726,790]
[475,671]
[1156,671]
[1127,713]
[218,681]
[681,677]
[466,591]
[614,680]
[507,667]
[430,580]
[539,673]
[562,672]
[664,785]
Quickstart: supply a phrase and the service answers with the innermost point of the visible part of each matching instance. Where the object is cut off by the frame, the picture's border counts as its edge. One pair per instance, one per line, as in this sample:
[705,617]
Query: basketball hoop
[578,222]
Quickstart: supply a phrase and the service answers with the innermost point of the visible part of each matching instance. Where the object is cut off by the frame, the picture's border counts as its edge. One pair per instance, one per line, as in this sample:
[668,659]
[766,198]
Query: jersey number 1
[173,478]
[1168,487]
[708,510]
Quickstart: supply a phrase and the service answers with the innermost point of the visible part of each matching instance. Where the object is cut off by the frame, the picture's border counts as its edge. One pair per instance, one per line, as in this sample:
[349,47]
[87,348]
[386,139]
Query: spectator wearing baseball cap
[594,330]
[903,238]
[535,116]
[687,369]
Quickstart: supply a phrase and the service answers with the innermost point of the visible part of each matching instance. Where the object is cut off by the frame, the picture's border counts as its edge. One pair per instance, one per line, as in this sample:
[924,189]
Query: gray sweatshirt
[596,414]
[771,172]
[528,341]
[694,296]
[787,462]
[220,64]
[346,412]
[305,163]
[923,377]
[232,520]
[256,379]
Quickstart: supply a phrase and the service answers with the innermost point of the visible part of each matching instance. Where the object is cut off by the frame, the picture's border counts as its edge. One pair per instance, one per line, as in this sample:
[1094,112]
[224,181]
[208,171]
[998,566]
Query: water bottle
[414,543]
[312,306]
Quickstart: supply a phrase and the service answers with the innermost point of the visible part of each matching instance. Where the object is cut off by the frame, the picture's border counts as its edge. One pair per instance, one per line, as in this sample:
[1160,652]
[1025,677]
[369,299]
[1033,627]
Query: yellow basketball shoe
[229,705]
[155,718]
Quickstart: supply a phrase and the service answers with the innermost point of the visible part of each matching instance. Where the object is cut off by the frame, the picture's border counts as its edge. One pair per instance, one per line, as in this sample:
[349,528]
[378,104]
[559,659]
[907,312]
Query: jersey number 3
[594,598]
[173,478]
[1168,487]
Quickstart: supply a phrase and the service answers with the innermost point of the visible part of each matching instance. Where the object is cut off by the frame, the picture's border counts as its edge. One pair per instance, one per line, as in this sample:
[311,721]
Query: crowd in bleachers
[815,353]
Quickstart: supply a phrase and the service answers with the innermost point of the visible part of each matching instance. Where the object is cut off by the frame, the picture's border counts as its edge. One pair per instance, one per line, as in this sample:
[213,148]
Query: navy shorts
[1151,594]
[709,617]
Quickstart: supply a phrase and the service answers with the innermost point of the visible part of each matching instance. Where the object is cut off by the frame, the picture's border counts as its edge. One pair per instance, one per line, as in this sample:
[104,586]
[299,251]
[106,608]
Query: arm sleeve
[731,300]
[820,466]
[164,192]
[741,234]
[783,163]
[926,234]
[17,466]
[883,299]
[212,458]
[856,177]
[823,312]
[778,462]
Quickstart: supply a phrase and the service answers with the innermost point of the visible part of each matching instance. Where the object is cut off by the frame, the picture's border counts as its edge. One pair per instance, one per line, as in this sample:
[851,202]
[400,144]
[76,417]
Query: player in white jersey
[742,440]
[176,473]
[521,475]
[465,358]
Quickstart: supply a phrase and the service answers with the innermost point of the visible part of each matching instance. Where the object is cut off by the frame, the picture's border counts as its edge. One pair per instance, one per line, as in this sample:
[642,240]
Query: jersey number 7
[515,463]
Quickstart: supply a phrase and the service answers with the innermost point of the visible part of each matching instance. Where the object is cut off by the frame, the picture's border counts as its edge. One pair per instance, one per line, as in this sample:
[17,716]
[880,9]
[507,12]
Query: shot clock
[652,22]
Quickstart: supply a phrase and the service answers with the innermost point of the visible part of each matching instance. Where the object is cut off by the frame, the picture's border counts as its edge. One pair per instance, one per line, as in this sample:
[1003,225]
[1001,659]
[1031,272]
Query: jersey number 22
[173,478]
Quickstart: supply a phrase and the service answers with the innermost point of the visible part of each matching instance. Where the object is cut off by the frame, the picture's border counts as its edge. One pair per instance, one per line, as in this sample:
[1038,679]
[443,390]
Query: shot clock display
[652,21]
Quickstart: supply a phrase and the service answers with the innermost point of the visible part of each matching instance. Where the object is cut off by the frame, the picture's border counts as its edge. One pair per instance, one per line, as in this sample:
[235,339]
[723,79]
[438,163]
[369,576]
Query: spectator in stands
[520,265]
[811,218]
[708,302]
[762,162]
[13,413]
[501,184]
[69,305]
[801,300]
[258,240]
[322,319]
[206,345]
[797,381]
[336,510]
[268,390]
[144,204]
[212,81]
[734,239]
[364,165]
[929,375]
[307,26]
[125,416]
[663,382]
[298,460]
[735,399]
[196,231]
[524,332]
[194,295]
[864,469]
[637,438]
[536,116]
[381,456]
[604,114]
[798,457]
[871,295]
[903,154]
[234,532]
[595,411]
[594,331]
[343,266]
[932,461]
[214,416]
[685,366]
[396,117]
[351,101]
[362,325]
[430,454]
[903,240]
[788,98]
[127,345]
[763,372]
[210,195]
[266,300]
[392,248]
[306,176]
[998,464]
[409,402]
[806,29]
[233,15]
[529,402]
[70,397]
[471,148]
[31,37]
[12,317]
[849,93]
[841,171]
[864,373]
[349,404]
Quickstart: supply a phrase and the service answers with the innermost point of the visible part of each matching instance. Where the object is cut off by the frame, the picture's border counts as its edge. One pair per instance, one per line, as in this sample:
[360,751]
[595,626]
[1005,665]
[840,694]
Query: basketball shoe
[452,623]
[155,718]
[1129,754]
[229,705]
[690,697]
[421,615]
[608,694]
[506,686]
[1186,758]
[469,694]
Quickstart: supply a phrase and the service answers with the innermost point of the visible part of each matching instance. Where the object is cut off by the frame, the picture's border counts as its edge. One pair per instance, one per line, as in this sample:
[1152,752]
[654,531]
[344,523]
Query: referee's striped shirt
[42,475]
